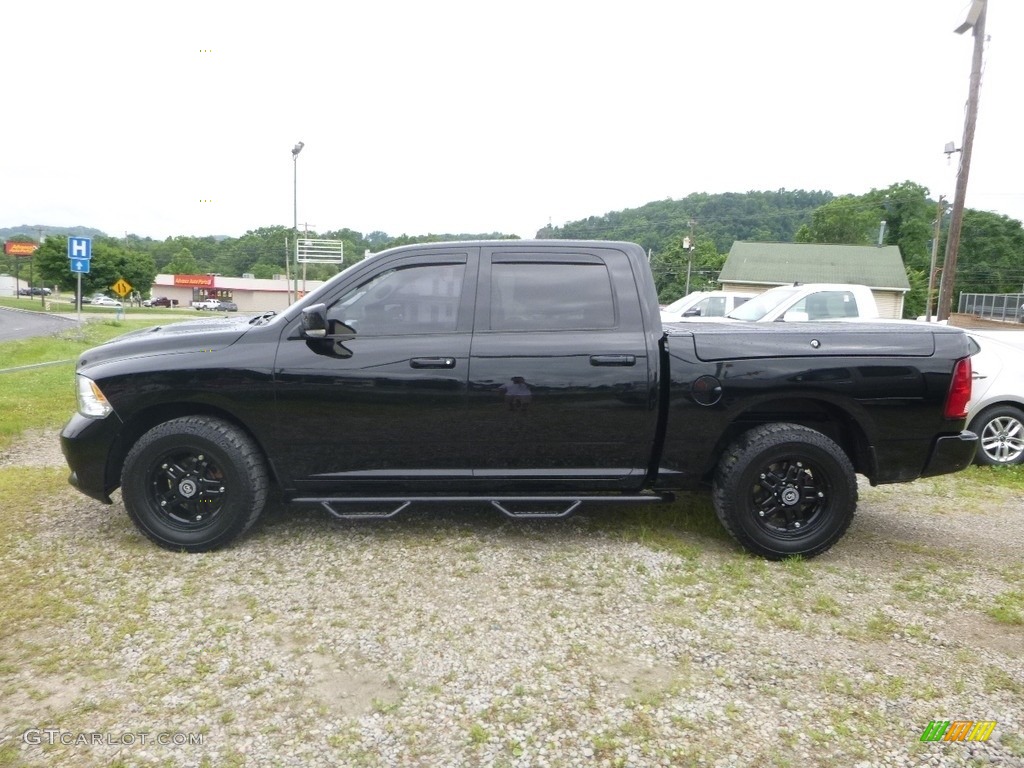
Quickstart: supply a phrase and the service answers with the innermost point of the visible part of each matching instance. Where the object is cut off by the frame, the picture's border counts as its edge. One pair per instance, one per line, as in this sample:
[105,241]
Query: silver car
[996,409]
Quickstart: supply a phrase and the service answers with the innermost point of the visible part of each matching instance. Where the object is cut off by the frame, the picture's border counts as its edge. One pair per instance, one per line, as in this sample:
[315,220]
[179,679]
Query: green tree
[847,220]
[111,261]
[856,220]
[136,268]
[670,268]
[991,255]
[264,245]
[914,301]
[265,271]
[183,263]
[203,249]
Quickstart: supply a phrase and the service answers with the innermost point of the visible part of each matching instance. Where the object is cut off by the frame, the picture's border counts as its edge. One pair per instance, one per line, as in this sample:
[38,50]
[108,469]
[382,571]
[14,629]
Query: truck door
[381,408]
[561,389]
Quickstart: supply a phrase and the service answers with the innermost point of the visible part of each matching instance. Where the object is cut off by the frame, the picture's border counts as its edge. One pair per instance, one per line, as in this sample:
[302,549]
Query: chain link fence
[1008,307]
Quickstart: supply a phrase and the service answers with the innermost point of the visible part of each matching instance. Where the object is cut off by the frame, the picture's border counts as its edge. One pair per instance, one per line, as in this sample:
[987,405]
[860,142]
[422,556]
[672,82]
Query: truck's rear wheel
[194,483]
[785,489]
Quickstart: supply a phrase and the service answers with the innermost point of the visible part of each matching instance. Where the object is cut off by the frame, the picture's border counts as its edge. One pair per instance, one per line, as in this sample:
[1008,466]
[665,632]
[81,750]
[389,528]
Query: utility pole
[42,293]
[688,246]
[939,208]
[976,21]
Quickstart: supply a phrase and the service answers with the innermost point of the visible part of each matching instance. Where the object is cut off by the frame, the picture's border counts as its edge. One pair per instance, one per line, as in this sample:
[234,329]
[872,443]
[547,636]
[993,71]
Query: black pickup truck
[530,375]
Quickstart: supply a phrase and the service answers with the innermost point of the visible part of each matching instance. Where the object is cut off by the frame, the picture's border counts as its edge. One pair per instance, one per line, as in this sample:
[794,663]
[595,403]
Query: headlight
[91,401]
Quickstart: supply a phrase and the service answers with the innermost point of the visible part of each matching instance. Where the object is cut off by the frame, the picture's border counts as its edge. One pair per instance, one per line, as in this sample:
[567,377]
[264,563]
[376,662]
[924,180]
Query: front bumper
[951,453]
[88,445]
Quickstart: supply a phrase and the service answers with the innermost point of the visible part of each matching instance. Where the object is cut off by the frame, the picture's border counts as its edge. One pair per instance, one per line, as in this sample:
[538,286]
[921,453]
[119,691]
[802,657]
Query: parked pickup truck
[809,301]
[531,375]
[211,304]
[704,304]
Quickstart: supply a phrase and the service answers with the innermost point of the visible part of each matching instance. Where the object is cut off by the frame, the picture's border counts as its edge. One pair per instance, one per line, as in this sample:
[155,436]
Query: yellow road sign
[122,287]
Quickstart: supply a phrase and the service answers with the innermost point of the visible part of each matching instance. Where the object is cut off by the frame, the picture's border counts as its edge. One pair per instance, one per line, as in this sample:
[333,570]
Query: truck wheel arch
[146,420]
[824,417]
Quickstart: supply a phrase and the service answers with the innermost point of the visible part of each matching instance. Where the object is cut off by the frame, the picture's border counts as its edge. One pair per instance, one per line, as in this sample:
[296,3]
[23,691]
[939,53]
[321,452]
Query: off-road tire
[785,489]
[194,483]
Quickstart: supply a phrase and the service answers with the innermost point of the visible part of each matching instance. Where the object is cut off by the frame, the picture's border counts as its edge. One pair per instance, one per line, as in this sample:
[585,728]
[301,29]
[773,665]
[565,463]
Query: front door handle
[626,360]
[432,362]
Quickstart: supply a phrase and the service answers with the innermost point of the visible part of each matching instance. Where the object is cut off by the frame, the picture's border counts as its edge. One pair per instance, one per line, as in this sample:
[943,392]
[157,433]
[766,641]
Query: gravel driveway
[619,637]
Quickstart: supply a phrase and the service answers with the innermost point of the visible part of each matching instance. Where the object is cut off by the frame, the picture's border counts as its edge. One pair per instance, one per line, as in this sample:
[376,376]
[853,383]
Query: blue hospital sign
[80,249]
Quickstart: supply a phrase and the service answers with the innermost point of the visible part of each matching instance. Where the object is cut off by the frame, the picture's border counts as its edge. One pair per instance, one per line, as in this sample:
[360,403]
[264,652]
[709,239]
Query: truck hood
[207,335]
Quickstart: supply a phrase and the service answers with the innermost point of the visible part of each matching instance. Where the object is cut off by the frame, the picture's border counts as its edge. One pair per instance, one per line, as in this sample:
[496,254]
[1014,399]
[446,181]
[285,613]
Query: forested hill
[33,231]
[763,216]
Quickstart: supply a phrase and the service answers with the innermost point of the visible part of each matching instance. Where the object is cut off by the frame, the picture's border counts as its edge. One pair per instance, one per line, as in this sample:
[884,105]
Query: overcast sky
[469,117]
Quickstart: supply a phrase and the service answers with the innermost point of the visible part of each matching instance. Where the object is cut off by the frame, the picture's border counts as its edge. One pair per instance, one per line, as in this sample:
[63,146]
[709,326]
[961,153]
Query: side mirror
[795,316]
[692,312]
[314,321]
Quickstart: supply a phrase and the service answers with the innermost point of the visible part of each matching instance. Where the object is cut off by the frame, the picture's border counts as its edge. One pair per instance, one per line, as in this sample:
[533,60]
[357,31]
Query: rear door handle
[432,362]
[626,360]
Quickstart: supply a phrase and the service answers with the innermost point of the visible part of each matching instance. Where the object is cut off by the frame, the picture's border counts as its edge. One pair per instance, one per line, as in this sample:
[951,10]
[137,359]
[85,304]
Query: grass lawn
[44,397]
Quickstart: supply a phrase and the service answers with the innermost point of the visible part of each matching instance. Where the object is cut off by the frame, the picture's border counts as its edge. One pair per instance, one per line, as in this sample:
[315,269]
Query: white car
[105,301]
[996,408]
[704,304]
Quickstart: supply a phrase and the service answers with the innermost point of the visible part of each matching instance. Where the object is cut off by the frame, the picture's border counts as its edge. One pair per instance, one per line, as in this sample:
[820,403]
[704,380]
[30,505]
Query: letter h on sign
[80,248]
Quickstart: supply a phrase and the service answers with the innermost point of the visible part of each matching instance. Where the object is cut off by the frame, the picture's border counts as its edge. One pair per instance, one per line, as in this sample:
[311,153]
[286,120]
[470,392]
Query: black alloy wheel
[790,497]
[785,489]
[194,483]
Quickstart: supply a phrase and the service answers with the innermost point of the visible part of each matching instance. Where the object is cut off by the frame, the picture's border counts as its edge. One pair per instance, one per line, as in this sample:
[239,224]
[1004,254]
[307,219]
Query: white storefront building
[249,293]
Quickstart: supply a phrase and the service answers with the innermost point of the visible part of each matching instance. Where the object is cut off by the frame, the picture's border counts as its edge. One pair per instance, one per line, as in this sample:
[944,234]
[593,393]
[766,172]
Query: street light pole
[295,209]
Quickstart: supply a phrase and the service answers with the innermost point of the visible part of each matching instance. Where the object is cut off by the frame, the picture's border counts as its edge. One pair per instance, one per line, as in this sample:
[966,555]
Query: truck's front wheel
[785,489]
[194,483]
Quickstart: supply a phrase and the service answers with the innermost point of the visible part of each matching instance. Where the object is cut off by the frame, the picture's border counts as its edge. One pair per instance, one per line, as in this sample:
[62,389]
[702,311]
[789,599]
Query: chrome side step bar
[562,506]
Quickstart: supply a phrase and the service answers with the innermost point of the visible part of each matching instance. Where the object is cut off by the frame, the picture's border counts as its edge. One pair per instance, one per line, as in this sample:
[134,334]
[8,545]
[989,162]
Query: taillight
[959,390]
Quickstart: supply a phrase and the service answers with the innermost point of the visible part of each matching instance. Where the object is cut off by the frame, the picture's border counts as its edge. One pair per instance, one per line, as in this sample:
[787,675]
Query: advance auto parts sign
[194,281]
[19,249]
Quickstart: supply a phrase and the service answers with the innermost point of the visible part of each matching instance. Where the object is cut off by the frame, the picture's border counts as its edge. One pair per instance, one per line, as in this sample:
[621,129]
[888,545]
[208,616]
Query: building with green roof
[760,266]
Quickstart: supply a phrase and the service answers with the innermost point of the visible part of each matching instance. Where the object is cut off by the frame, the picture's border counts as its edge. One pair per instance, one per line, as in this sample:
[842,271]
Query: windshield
[759,306]
[680,304]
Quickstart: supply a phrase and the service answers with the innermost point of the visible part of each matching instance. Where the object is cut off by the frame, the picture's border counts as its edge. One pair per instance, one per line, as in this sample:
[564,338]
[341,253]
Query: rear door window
[550,296]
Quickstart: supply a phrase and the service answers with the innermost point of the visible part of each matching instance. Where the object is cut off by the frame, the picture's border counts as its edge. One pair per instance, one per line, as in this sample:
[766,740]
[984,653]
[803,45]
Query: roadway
[24,324]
